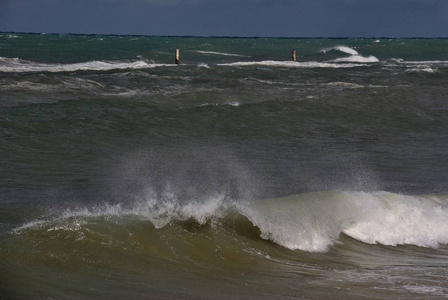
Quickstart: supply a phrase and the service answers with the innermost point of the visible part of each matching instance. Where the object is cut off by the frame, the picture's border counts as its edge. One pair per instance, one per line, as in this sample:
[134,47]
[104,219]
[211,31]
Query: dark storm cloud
[229,17]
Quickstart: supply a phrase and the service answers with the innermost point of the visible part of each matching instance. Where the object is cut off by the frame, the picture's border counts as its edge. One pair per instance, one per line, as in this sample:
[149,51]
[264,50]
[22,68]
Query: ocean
[236,174]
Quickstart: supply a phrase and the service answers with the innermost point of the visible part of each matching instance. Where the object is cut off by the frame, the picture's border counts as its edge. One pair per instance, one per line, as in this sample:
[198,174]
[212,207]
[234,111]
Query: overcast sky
[288,18]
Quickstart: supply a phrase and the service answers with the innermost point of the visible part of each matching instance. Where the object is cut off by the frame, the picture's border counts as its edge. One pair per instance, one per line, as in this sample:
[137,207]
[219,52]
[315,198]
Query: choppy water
[236,174]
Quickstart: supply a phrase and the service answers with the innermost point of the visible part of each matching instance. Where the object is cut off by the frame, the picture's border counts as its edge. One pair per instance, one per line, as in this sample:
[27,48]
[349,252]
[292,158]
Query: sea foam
[18,65]
[292,64]
[220,53]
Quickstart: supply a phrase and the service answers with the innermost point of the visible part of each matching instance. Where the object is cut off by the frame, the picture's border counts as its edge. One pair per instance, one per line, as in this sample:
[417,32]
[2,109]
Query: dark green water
[236,174]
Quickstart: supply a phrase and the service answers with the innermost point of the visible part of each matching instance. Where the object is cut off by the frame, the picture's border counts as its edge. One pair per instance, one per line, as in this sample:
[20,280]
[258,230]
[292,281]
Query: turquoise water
[235,174]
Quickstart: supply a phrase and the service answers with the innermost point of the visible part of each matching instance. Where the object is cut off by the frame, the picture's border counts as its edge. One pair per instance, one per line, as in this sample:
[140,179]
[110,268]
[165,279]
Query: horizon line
[226,36]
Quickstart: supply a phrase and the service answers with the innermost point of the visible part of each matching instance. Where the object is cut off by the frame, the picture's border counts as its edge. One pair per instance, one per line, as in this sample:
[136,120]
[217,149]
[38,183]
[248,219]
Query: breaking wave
[354,57]
[344,49]
[311,222]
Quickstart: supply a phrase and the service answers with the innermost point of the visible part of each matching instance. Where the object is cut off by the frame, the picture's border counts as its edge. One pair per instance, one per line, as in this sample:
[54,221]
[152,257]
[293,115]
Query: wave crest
[344,49]
[354,57]
[311,222]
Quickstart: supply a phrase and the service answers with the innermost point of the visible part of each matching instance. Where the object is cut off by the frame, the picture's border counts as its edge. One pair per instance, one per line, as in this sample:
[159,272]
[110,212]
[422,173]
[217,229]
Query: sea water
[235,174]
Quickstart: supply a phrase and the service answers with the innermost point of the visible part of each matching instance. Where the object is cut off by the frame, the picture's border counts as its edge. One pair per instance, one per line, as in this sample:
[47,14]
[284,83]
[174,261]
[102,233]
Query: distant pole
[294,56]
[177,57]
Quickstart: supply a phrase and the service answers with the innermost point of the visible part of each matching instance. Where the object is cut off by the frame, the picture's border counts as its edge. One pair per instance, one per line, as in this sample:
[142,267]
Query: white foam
[357,59]
[420,64]
[427,62]
[428,290]
[203,65]
[345,84]
[292,64]
[313,222]
[396,60]
[344,49]
[19,65]
[234,103]
[354,58]
[220,53]
[425,69]
[391,219]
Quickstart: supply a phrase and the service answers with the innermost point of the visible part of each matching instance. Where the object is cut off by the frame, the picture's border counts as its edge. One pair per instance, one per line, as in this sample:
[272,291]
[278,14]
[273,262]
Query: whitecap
[344,49]
[313,222]
[427,62]
[291,64]
[220,53]
[345,84]
[203,65]
[19,65]
[396,60]
[357,59]
[425,69]
[354,57]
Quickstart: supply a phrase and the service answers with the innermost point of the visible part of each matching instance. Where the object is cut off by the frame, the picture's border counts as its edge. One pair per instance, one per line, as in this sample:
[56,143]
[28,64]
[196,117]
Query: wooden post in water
[294,57]
[177,57]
